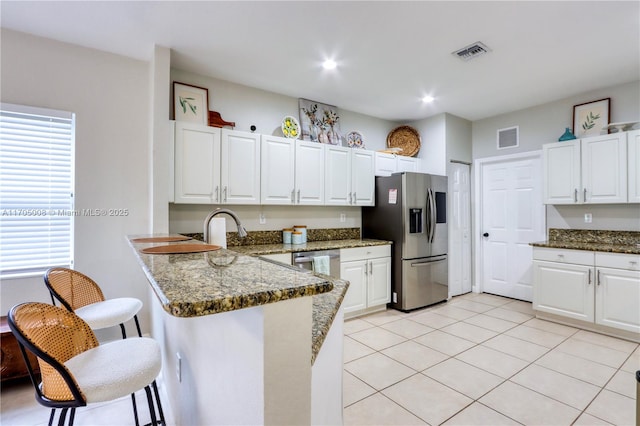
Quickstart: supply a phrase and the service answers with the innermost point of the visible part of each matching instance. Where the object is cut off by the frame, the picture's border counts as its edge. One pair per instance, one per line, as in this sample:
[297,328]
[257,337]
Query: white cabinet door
[240,167]
[406,164]
[561,172]
[385,164]
[309,173]
[633,166]
[279,257]
[337,176]
[564,289]
[604,169]
[617,296]
[277,183]
[379,281]
[356,273]
[197,159]
[362,177]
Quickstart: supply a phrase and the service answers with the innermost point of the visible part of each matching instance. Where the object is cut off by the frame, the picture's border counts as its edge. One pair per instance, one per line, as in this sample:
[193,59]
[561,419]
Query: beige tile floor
[478,360]
[481,359]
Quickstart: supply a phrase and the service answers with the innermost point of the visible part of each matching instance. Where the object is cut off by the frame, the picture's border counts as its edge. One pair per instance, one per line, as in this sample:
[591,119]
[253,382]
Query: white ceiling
[389,53]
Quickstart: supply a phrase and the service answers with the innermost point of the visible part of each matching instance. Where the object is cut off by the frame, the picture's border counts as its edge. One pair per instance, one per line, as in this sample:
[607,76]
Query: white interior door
[459,229]
[512,216]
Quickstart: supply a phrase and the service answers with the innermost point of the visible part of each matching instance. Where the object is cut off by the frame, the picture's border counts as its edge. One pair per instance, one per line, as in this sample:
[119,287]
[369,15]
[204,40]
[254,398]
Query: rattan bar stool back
[74,368]
[79,293]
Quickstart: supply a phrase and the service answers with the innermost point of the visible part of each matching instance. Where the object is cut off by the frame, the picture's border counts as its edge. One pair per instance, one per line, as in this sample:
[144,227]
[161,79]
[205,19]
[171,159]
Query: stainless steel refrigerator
[411,211]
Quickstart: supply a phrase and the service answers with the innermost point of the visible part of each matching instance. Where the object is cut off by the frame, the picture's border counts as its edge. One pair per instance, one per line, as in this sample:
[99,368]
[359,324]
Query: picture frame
[320,122]
[190,103]
[589,118]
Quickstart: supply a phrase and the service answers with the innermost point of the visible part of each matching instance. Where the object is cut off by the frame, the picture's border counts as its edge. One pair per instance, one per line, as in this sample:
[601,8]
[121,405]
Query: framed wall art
[190,103]
[589,118]
[319,122]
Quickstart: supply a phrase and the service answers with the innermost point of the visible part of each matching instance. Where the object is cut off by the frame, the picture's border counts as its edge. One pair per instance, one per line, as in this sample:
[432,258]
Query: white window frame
[36,231]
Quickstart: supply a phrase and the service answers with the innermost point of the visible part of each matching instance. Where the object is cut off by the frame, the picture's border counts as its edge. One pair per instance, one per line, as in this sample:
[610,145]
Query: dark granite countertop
[262,249]
[196,284]
[573,245]
[592,240]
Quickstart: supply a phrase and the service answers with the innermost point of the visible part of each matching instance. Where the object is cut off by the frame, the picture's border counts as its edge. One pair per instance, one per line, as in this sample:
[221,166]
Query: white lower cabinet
[279,257]
[594,287]
[368,270]
[564,289]
[618,291]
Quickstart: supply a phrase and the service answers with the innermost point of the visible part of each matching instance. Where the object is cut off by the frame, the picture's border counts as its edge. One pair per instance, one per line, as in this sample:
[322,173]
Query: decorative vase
[567,135]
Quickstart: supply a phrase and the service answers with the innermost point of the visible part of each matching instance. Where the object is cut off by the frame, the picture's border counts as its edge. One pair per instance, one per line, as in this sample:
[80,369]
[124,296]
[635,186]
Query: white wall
[615,217]
[433,144]
[247,105]
[110,96]
[458,132]
[544,124]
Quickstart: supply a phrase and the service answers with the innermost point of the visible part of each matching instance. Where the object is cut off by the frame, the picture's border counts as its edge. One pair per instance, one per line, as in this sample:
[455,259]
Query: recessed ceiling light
[329,64]
[427,99]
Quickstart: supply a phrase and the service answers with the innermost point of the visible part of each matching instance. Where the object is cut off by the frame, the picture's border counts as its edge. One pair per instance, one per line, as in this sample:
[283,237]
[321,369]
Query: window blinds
[36,189]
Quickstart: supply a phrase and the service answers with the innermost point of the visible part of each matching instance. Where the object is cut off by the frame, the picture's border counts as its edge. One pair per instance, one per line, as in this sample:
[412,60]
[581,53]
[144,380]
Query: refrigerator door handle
[432,215]
[428,216]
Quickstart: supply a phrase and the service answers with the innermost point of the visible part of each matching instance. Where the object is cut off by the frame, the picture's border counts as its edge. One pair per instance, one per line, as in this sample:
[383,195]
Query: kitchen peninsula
[233,326]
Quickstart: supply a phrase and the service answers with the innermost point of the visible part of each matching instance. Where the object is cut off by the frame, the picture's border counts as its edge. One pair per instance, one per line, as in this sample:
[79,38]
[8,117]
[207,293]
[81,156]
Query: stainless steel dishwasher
[304,260]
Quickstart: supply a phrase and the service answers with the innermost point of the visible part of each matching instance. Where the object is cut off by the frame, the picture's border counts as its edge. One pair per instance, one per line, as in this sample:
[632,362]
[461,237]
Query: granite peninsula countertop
[627,242]
[197,284]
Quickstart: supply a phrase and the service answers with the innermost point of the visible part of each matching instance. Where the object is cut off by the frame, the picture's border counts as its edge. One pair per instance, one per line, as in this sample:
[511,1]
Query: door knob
[486,234]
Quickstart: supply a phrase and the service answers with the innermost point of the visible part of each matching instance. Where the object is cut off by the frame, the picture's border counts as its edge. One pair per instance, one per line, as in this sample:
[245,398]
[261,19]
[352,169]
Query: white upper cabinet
[278,170]
[406,164]
[309,172]
[292,171]
[561,165]
[586,171]
[349,176]
[197,164]
[633,166]
[240,167]
[386,164]
[604,169]
[362,177]
[337,176]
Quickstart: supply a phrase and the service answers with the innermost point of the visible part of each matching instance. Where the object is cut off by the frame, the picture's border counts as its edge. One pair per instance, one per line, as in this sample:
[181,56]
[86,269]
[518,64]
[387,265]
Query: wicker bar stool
[83,296]
[75,369]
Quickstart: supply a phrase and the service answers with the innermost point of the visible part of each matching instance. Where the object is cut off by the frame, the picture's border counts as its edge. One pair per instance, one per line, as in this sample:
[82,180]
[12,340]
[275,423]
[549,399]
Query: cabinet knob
[486,234]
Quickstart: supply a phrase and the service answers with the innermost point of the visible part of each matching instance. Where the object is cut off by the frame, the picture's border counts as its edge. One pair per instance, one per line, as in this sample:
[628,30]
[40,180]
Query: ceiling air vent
[472,51]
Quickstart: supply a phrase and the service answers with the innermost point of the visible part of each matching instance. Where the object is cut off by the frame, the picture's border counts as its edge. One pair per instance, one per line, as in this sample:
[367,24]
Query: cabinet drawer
[618,260]
[360,253]
[578,257]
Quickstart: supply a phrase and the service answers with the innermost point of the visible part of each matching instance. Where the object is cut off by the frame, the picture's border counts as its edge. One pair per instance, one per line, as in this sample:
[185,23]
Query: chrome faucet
[241,231]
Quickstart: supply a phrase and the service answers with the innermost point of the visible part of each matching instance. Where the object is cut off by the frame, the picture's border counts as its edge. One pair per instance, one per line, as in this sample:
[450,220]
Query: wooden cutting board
[161,239]
[180,249]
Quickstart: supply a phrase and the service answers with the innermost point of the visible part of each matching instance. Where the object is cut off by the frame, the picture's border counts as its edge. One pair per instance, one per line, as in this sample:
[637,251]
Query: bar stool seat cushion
[116,369]
[110,312]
